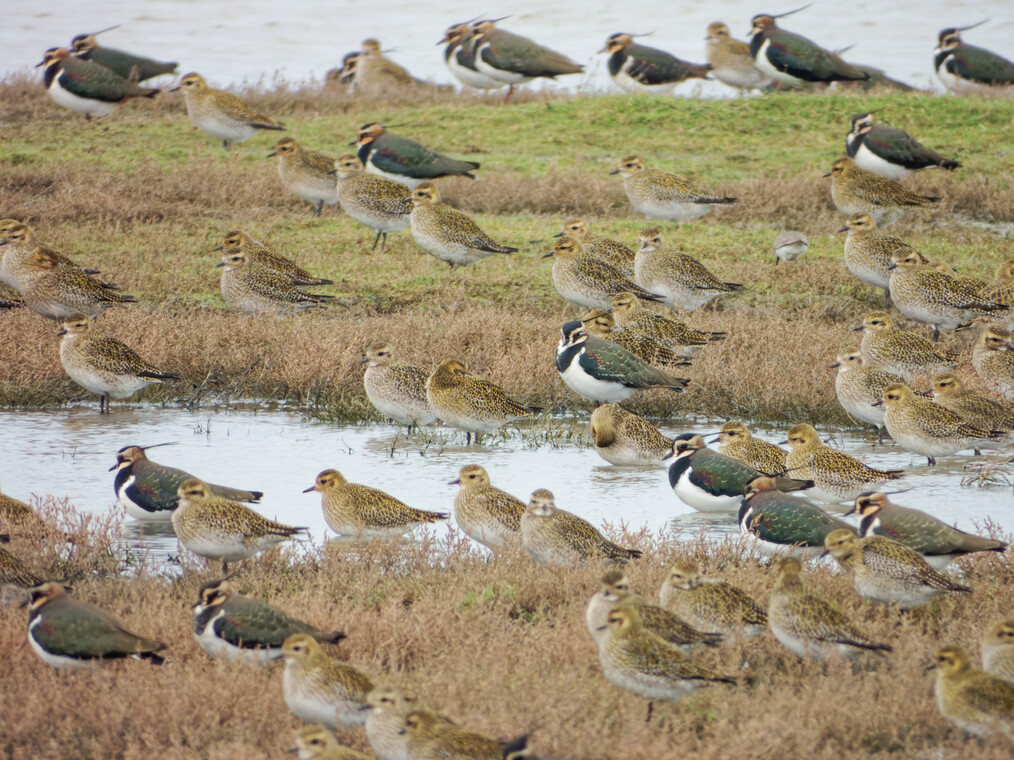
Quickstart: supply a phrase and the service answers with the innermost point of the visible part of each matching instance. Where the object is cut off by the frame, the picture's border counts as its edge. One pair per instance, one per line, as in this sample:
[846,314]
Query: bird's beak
[857,329]
[559,234]
[293,750]
[364,361]
[272,154]
[614,171]
[219,264]
[852,511]
[311,488]
[928,668]
[604,50]
[549,255]
[62,332]
[714,440]
[219,248]
[825,553]
[877,403]
[784,443]
[602,628]
[891,266]
[333,171]
[174,89]
[825,176]
[456,482]
[845,228]
[114,467]
[834,366]
[40,64]
[354,142]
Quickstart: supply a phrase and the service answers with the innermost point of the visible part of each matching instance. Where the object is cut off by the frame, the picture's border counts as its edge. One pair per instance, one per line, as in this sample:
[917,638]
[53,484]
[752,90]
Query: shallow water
[68,452]
[250,40]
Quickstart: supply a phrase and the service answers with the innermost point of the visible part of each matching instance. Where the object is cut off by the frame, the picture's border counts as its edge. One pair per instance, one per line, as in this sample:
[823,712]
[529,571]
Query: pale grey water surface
[67,453]
[253,40]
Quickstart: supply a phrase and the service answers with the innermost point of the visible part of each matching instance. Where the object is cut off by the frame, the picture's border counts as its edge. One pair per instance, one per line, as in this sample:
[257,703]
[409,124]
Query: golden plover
[886,571]
[59,291]
[975,408]
[13,572]
[735,441]
[610,251]
[1000,289]
[306,173]
[682,280]
[217,528]
[320,689]
[446,233]
[385,721]
[553,536]
[221,114]
[631,315]
[868,251]
[378,202]
[253,288]
[599,323]
[397,389]
[710,604]
[488,515]
[271,259]
[898,352]
[836,475]
[976,702]
[926,428]
[993,359]
[730,59]
[859,387]
[470,403]
[18,243]
[351,509]
[586,279]
[855,190]
[433,737]
[808,624]
[624,439]
[998,649]
[317,743]
[659,195]
[104,365]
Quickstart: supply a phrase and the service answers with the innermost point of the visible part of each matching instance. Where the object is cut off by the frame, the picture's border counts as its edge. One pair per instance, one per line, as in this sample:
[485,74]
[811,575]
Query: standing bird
[959,65]
[134,68]
[553,536]
[859,387]
[836,475]
[221,114]
[636,659]
[104,365]
[470,403]
[317,743]
[809,625]
[898,352]
[271,259]
[926,294]
[937,542]
[488,515]
[320,689]
[306,173]
[868,252]
[631,315]
[735,440]
[405,160]
[789,246]
[711,604]
[600,323]
[512,59]
[886,571]
[446,233]
[460,60]
[1000,289]
[86,87]
[610,251]
[707,481]
[379,76]
[601,371]
[659,195]
[362,512]
[70,634]
[778,523]
[397,389]
[626,440]
[976,702]
[890,151]
[855,190]
[232,626]
[60,291]
[926,428]
[252,287]
[380,203]
[683,281]
[793,59]
[993,359]
[216,528]
[730,60]
[976,408]
[584,279]
[637,68]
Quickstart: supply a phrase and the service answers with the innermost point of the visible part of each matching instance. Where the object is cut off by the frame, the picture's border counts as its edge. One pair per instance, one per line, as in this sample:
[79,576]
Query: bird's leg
[225,568]
[936,333]
[375,241]
[651,707]
[320,205]
[887,298]
[227,144]
[510,90]
[468,439]
[383,243]
[930,461]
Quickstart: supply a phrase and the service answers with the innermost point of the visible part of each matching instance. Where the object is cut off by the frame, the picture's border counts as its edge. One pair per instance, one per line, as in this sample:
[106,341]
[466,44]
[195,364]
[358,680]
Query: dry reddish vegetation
[501,646]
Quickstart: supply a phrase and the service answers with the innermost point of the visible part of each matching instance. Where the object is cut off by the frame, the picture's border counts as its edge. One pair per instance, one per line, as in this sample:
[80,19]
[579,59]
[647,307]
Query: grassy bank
[144,197]
[433,628]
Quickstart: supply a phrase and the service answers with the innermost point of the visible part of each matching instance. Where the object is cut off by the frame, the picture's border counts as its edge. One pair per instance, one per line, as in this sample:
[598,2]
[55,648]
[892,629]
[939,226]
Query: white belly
[161,515]
[871,162]
[211,124]
[69,100]
[56,660]
[762,63]
[470,77]
[627,83]
[217,648]
[507,77]
[702,501]
[592,389]
[409,182]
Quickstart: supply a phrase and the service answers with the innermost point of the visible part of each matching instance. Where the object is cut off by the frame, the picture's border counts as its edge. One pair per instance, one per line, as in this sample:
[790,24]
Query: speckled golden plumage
[586,279]
[59,291]
[351,509]
[736,441]
[385,722]
[17,243]
[993,359]
[975,408]
[886,571]
[860,389]
[432,737]
[221,114]
[624,439]
[660,195]
[382,204]
[868,251]
[13,572]
[397,389]
[307,174]
[600,323]
[898,352]
[446,233]
[856,190]
[254,288]
[977,702]
[488,515]
[271,259]
[682,280]
[317,743]
[470,403]
[730,59]
[610,251]
[554,536]
[321,689]
[630,314]
[998,649]
[710,604]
